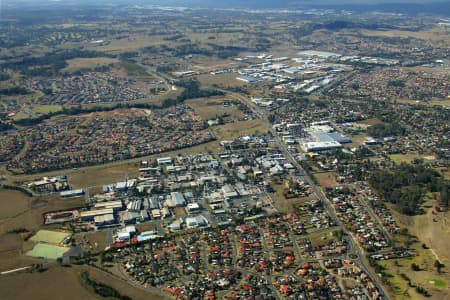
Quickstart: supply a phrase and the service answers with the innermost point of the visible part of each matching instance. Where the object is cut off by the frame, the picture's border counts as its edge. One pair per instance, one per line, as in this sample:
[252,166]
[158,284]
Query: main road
[351,242]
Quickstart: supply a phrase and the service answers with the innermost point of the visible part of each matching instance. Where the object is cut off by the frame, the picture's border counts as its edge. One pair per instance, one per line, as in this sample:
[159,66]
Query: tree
[444,194]
[438,265]
[415,267]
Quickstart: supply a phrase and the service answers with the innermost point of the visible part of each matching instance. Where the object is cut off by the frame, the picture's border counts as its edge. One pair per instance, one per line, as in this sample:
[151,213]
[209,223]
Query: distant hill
[438,7]
[399,6]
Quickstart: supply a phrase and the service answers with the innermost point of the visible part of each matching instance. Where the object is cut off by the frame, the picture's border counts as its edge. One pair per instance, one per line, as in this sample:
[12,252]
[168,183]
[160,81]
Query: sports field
[47,251]
[50,237]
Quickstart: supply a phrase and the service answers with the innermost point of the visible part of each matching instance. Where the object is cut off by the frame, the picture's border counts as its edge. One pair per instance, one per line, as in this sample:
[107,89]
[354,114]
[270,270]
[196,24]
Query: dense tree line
[101,289]
[128,55]
[397,83]
[167,68]
[220,51]
[228,51]
[191,90]
[191,48]
[406,184]
[5,126]
[4,76]
[100,69]
[384,130]
[14,91]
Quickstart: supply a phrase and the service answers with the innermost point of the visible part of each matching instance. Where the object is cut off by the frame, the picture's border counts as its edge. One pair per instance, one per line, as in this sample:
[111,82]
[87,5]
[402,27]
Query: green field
[408,158]
[50,237]
[47,251]
[45,109]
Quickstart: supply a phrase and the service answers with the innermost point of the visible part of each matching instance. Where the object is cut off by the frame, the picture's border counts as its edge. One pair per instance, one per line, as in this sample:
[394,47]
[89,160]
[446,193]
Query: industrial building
[164,161]
[115,205]
[247,79]
[130,217]
[229,192]
[135,206]
[89,215]
[147,235]
[144,216]
[320,146]
[192,207]
[331,137]
[72,193]
[197,221]
[176,200]
[105,220]
[319,54]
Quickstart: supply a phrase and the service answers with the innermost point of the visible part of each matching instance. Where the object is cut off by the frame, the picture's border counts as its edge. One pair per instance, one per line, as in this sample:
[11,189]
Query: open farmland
[31,216]
[13,203]
[63,281]
[12,253]
[435,34]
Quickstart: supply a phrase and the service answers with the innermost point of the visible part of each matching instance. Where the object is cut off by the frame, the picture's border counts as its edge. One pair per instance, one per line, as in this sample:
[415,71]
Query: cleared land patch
[431,228]
[88,63]
[225,80]
[233,130]
[211,108]
[326,179]
[408,158]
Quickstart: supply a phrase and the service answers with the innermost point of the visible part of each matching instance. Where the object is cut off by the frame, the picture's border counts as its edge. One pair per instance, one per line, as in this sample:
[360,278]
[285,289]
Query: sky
[332,2]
